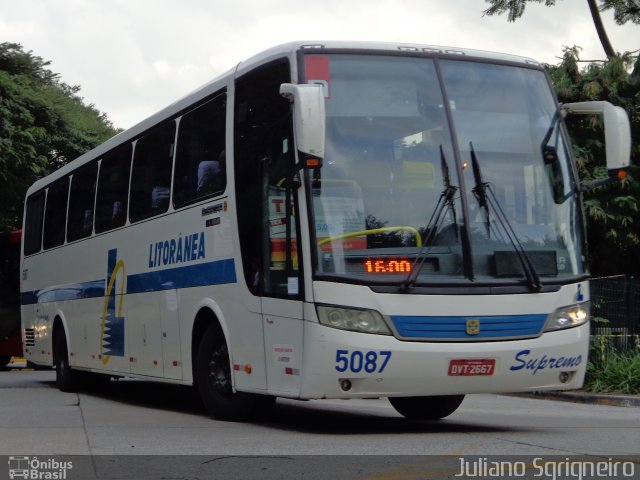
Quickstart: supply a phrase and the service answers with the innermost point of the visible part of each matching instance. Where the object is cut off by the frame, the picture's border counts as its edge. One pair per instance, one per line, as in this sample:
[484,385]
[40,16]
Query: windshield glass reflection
[390,158]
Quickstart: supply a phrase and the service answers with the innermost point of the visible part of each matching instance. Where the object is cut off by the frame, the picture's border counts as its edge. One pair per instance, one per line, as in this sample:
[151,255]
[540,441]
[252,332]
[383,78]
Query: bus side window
[33,223]
[151,175]
[113,188]
[200,158]
[55,213]
[81,202]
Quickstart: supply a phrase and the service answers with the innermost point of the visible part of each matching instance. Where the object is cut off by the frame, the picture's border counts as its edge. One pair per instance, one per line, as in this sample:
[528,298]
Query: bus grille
[455,329]
[29,337]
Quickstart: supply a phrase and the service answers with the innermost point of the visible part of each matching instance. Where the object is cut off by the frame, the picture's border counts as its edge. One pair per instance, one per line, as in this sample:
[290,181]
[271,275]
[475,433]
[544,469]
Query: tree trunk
[602,33]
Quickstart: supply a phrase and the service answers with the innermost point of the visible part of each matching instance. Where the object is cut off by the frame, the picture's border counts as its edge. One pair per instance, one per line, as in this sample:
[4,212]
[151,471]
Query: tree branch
[602,33]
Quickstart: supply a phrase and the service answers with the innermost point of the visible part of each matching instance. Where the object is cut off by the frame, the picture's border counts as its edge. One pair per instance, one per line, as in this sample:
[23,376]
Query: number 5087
[357,361]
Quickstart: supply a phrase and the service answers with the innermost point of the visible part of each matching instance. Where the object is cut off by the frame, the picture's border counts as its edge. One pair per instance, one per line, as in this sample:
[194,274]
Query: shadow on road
[300,417]
[288,415]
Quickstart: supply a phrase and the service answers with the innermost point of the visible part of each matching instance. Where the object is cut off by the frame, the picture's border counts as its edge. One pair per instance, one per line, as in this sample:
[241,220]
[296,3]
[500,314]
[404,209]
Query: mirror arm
[585,187]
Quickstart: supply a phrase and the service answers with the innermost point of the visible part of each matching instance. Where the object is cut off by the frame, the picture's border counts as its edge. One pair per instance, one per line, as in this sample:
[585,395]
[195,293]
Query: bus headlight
[354,319]
[568,317]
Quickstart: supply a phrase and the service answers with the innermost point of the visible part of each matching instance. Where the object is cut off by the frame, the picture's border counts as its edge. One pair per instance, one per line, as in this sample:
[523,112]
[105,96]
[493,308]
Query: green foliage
[515,8]
[611,370]
[613,211]
[623,10]
[43,125]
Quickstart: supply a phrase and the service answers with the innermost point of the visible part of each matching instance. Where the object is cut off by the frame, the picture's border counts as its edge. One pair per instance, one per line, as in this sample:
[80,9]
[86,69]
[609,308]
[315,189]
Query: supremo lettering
[542,363]
[183,249]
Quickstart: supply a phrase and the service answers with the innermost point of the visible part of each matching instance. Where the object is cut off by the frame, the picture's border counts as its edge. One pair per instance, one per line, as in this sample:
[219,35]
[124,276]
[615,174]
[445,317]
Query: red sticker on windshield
[317,70]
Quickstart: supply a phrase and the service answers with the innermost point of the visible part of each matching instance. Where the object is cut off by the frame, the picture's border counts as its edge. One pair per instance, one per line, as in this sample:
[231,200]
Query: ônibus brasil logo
[33,468]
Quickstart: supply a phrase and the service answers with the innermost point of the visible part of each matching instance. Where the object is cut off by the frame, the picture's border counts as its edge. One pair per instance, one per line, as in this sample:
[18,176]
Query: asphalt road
[135,417]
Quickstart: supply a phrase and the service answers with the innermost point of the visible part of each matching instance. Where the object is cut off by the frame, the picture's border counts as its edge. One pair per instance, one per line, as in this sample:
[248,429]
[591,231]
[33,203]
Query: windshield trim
[430,54]
[550,285]
[457,286]
[465,234]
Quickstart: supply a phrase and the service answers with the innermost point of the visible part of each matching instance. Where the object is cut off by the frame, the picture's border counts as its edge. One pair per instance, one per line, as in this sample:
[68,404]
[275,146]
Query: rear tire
[426,408]
[66,377]
[213,375]
[5,360]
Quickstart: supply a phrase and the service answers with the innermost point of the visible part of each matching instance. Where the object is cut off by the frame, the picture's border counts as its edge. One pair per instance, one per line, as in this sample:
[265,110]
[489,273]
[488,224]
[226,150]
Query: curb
[586,397]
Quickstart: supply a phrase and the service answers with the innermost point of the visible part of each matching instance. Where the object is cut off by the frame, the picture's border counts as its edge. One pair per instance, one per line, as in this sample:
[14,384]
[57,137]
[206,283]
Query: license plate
[469,368]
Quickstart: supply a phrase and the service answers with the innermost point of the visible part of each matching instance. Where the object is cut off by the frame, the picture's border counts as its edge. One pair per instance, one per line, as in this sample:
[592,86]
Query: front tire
[66,377]
[426,408]
[213,375]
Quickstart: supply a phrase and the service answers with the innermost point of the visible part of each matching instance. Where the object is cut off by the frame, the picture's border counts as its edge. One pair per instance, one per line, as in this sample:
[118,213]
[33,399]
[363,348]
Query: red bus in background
[10,338]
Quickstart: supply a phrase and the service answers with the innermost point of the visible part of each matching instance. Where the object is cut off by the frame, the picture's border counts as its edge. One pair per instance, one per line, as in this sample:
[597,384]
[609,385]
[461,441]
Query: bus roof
[408,48]
[279,51]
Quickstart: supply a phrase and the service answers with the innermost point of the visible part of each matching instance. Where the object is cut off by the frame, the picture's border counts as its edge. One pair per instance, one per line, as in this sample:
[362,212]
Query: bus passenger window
[55,213]
[81,202]
[33,223]
[113,187]
[151,175]
[200,158]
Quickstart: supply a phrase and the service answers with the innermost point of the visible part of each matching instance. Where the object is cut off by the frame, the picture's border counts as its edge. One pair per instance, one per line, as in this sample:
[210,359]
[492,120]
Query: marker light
[313,162]
[356,320]
[568,317]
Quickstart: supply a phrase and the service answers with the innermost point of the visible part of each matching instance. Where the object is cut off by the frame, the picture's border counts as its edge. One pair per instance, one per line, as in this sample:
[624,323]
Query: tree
[44,123]
[613,211]
[623,12]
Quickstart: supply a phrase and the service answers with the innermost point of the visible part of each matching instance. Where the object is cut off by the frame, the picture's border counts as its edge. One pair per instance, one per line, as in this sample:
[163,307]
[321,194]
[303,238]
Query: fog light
[564,377]
[345,385]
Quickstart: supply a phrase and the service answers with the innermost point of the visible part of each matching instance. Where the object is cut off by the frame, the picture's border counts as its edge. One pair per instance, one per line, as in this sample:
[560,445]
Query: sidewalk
[580,396]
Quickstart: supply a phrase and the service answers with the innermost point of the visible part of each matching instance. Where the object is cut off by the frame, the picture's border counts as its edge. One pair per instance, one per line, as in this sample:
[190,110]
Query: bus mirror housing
[617,135]
[308,121]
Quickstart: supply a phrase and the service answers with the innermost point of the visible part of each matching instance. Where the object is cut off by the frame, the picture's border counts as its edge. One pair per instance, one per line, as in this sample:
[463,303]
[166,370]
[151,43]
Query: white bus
[326,220]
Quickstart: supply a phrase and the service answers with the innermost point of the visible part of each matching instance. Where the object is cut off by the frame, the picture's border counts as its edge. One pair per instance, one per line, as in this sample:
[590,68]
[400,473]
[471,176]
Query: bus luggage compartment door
[283,345]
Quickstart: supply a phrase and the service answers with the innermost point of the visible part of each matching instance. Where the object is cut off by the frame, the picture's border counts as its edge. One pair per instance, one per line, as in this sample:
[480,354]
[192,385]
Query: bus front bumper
[342,364]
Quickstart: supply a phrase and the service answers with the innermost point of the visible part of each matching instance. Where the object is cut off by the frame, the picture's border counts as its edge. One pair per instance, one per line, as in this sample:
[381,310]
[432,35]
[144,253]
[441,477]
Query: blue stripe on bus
[211,273]
[456,327]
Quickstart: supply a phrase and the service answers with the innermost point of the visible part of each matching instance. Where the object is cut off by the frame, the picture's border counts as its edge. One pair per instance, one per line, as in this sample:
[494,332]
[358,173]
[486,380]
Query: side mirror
[617,133]
[308,121]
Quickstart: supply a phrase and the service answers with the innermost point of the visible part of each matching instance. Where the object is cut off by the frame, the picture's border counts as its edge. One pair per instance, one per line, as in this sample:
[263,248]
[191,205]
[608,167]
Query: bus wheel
[66,377]
[213,375]
[5,360]
[426,408]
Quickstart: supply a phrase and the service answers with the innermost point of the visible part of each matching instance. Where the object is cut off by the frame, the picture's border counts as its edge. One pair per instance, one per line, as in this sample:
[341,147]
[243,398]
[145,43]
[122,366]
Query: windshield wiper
[433,226]
[480,189]
[487,199]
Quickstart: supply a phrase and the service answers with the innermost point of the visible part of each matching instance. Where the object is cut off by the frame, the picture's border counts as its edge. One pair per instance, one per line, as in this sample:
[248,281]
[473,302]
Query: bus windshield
[442,171]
